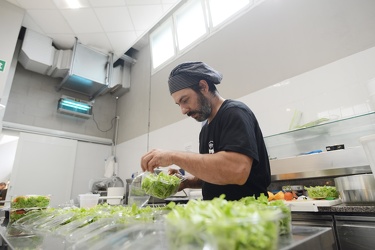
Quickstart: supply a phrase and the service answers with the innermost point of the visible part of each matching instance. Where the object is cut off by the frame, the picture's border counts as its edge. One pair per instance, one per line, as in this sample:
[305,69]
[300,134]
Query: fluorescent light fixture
[73,4]
[75,107]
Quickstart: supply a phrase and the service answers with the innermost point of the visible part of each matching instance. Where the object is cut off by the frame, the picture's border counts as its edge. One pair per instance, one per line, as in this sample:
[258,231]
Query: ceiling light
[74,107]
[73,4]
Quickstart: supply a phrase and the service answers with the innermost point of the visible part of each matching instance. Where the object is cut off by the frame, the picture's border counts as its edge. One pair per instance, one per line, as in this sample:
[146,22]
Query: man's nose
[184,110]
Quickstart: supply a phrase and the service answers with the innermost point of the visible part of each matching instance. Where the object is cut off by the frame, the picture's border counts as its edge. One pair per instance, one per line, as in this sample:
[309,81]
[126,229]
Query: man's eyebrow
[179,100]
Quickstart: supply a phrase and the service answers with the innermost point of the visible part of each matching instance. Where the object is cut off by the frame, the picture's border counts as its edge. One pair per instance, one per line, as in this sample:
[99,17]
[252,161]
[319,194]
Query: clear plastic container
[53,223]
[161,185]
[68,228]
[21,205]
[96,236]
[140,236]
[87,230]
[88,200]
[258,230]
[137,195]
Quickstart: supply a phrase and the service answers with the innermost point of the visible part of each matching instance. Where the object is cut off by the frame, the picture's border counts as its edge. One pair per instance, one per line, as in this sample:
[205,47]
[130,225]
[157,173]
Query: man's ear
[203,86]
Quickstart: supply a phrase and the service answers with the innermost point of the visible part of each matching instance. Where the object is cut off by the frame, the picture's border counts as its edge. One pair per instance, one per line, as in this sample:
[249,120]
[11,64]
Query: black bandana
[190,73]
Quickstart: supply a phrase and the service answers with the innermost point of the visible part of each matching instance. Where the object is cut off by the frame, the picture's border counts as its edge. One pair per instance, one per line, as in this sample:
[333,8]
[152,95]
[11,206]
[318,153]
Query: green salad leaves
[32,201]
[322,192]
[21,205]
[224,224]
[160,185]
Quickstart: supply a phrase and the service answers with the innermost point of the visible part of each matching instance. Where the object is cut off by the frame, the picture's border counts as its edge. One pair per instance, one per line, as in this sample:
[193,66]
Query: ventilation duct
[84,70]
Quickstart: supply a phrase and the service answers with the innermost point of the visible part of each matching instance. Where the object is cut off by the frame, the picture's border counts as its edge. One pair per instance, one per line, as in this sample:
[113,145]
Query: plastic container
[115,191]
[259,229]
[161,185]
[136,194]
[21,205]
[368,143]
[88,200]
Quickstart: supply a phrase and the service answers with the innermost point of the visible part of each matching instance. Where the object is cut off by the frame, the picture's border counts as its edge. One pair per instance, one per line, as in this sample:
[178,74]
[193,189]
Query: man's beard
[203,111]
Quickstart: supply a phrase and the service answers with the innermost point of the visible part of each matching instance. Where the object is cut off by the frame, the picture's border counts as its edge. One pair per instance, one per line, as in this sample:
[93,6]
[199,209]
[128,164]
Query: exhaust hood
[90,72]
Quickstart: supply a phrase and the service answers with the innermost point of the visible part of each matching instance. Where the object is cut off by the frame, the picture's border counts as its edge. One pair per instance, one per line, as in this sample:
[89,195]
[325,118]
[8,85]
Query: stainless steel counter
[302,237]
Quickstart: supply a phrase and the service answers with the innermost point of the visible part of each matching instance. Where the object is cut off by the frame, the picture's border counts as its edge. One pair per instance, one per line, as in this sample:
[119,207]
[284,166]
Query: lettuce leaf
[160,185]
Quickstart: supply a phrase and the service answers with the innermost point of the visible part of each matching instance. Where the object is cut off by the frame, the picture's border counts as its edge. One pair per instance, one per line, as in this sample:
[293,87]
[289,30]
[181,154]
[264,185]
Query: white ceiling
[107,25]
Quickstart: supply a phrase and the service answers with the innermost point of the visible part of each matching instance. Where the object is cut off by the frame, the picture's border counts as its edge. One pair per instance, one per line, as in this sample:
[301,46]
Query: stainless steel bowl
[356,188]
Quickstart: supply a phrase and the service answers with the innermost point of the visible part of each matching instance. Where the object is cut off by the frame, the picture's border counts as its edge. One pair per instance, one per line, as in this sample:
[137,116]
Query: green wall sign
[2,65]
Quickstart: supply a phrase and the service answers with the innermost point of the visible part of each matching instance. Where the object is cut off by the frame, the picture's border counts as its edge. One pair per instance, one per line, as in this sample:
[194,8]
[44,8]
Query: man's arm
[220,168]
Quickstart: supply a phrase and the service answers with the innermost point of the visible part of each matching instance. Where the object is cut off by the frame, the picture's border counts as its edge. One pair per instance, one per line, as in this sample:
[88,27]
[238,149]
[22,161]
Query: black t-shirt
[236,129]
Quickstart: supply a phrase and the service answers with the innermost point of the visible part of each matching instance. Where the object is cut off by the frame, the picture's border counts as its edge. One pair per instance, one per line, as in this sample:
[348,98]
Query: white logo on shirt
[211,147]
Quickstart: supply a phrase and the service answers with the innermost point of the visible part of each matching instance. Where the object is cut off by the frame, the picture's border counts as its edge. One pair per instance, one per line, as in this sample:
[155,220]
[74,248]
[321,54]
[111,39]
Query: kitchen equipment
[368,143]
[90,71]
[88,200]
[100,186]
[356,188]
[310,205]
[115,191]
[297,189]
[355,232]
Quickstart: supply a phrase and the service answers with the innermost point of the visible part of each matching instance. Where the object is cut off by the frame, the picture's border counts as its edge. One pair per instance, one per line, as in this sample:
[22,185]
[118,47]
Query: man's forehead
[178,95]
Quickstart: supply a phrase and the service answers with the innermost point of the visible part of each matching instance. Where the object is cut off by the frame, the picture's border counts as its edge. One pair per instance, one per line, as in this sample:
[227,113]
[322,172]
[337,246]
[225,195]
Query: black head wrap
[190,73]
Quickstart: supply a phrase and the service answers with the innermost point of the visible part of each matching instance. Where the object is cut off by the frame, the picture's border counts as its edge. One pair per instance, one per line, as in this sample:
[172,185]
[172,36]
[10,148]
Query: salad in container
[161,185]
[22,205]
[322,192]
[224,224]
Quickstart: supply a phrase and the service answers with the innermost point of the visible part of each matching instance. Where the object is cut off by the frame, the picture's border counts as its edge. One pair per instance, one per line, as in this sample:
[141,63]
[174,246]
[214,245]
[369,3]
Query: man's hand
[156,158]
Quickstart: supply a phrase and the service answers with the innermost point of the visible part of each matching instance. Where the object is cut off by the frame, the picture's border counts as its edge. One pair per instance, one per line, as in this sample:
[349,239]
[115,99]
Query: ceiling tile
[167,7]
[106,3]
[82,20]
[63,4]
[170,1]
[44,17]
[108,25]
[95,40]
[36,4]
[122,40]
[29,23]
[14,2]
[142,2]
[114,19]
[152,12]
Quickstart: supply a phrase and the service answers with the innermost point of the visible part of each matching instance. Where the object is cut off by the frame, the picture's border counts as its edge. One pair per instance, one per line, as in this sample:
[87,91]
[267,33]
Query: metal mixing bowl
[356,188]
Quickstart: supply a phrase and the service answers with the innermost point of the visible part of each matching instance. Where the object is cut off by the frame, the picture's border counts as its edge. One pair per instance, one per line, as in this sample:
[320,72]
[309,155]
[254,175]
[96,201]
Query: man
[233,159]
[3,190]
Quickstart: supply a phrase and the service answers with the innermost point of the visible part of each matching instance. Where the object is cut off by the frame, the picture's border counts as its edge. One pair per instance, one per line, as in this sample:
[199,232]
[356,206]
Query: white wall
[8,146]
[89,164]
[336,90]
[10,24]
